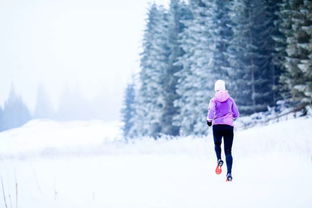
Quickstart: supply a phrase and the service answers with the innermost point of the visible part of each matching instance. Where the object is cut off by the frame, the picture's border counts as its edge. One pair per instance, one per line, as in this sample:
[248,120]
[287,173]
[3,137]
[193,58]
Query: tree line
[261,48]
[72,106]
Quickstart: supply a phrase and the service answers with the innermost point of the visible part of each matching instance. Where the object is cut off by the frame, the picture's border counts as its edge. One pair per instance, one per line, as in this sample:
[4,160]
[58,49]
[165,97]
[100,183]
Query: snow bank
[46,136]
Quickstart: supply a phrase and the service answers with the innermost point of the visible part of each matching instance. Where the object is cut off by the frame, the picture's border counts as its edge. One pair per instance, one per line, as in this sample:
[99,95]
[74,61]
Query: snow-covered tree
[223,35]
[178,12]
[135,129]
[265,74]
[251,55]
[150,99]
[242,62]
[296,26]
[128,110]
[195,83]
[15,112]
[278,53]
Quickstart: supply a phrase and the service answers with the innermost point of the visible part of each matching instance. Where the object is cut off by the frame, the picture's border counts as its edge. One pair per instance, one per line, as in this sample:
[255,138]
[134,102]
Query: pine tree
[135,129]
[297,31]
[305,44]
[150,99]
[263,29]
[178,12]
[279,50]
[15,112]
[128,110]
[223,36]
[251,55]
[195,84]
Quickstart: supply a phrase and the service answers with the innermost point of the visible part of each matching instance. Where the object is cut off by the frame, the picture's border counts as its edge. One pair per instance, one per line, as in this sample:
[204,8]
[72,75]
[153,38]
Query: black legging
[226,132]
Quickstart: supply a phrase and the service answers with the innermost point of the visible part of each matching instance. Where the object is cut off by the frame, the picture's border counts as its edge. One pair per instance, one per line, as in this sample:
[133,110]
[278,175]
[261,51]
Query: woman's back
[222,109]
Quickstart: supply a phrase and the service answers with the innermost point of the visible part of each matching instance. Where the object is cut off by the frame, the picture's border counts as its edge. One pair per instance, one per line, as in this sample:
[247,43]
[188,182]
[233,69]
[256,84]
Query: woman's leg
[217,137]
[228,142]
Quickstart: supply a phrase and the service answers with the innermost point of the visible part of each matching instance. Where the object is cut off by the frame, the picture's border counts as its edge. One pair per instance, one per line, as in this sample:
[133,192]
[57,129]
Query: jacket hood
[222,95]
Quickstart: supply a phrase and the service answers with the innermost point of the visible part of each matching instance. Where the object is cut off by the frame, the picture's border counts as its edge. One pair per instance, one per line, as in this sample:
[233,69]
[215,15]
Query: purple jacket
[222,109]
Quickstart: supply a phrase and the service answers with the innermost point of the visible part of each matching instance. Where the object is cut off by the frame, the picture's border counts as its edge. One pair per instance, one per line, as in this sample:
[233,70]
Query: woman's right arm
[235,110]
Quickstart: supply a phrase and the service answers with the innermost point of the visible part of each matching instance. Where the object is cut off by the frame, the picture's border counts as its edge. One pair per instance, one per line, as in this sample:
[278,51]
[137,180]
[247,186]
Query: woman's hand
[209,123]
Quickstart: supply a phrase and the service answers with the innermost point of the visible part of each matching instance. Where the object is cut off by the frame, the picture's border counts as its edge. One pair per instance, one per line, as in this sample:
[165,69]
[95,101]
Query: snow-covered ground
[86,164]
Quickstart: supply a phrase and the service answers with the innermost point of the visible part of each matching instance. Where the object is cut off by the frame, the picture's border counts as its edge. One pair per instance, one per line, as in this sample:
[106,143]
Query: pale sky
[90,44]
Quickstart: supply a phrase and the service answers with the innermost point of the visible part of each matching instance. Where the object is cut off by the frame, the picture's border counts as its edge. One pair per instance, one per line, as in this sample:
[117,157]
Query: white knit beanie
[219,85]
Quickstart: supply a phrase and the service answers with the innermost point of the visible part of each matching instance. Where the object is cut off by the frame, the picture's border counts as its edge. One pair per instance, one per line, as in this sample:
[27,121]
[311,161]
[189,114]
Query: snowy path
[274,172]
[160,181]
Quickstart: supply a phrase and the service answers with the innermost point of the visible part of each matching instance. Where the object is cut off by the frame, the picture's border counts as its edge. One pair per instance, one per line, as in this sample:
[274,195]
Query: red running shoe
[219,167]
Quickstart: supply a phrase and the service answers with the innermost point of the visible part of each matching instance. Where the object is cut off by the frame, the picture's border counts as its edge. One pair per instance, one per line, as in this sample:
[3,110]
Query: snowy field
[86,164]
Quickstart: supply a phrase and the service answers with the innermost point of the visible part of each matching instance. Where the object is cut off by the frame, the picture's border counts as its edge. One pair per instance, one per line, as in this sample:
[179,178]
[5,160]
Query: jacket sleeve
[235,110]
[211,110]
